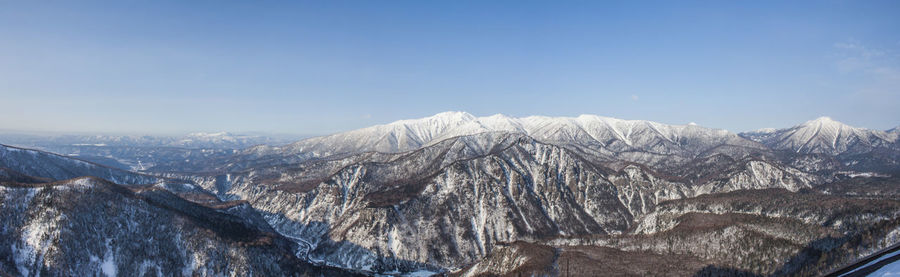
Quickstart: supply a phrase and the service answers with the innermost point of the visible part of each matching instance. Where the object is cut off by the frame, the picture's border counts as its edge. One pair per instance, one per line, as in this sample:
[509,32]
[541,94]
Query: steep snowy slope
[41,164]
[825,135]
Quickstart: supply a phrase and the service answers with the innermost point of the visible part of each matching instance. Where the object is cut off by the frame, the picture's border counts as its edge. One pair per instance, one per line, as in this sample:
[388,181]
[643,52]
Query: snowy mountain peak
[823,135]
[452,116]
[429,126]
[823,118]
[824,127]
[424,128]
[498,116]
[825,122]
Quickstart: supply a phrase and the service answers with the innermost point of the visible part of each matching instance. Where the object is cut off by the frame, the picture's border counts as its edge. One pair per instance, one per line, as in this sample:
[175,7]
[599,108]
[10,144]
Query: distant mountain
[142,152]
[826,136]
[221,140]
[19,162]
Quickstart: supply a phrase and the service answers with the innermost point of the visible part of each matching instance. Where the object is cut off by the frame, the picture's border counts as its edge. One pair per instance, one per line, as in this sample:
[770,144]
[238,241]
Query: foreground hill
[91,227]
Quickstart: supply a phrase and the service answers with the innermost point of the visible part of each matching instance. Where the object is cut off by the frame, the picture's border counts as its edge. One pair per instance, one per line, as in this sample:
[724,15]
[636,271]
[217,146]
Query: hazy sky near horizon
[316,67]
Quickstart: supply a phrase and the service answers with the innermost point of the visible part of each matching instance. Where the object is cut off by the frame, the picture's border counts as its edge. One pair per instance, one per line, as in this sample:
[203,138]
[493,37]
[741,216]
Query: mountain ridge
[404,135]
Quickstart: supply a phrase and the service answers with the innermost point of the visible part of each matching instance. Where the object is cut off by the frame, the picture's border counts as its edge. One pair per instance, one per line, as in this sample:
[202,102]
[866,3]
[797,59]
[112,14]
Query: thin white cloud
[880,65]
[634,97]
[886,72]
[854,57]
[873,73]
[860,50]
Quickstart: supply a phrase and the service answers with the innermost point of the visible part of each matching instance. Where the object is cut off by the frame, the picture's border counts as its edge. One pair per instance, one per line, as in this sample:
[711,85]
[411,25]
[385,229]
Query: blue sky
[315,67]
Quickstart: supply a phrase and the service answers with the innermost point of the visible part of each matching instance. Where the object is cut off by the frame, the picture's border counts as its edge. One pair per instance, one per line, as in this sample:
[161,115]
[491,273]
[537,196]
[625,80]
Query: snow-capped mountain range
[465,195]
[604,132]
[822,135]
[602,139]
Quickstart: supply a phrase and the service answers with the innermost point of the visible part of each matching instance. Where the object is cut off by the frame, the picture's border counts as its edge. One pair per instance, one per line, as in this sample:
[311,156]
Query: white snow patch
[108,265]
[866,175]
[892,269]
[887,256]
[420,273]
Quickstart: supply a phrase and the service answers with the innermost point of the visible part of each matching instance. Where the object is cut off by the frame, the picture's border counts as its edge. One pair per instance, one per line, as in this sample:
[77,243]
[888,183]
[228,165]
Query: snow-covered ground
[892,269]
